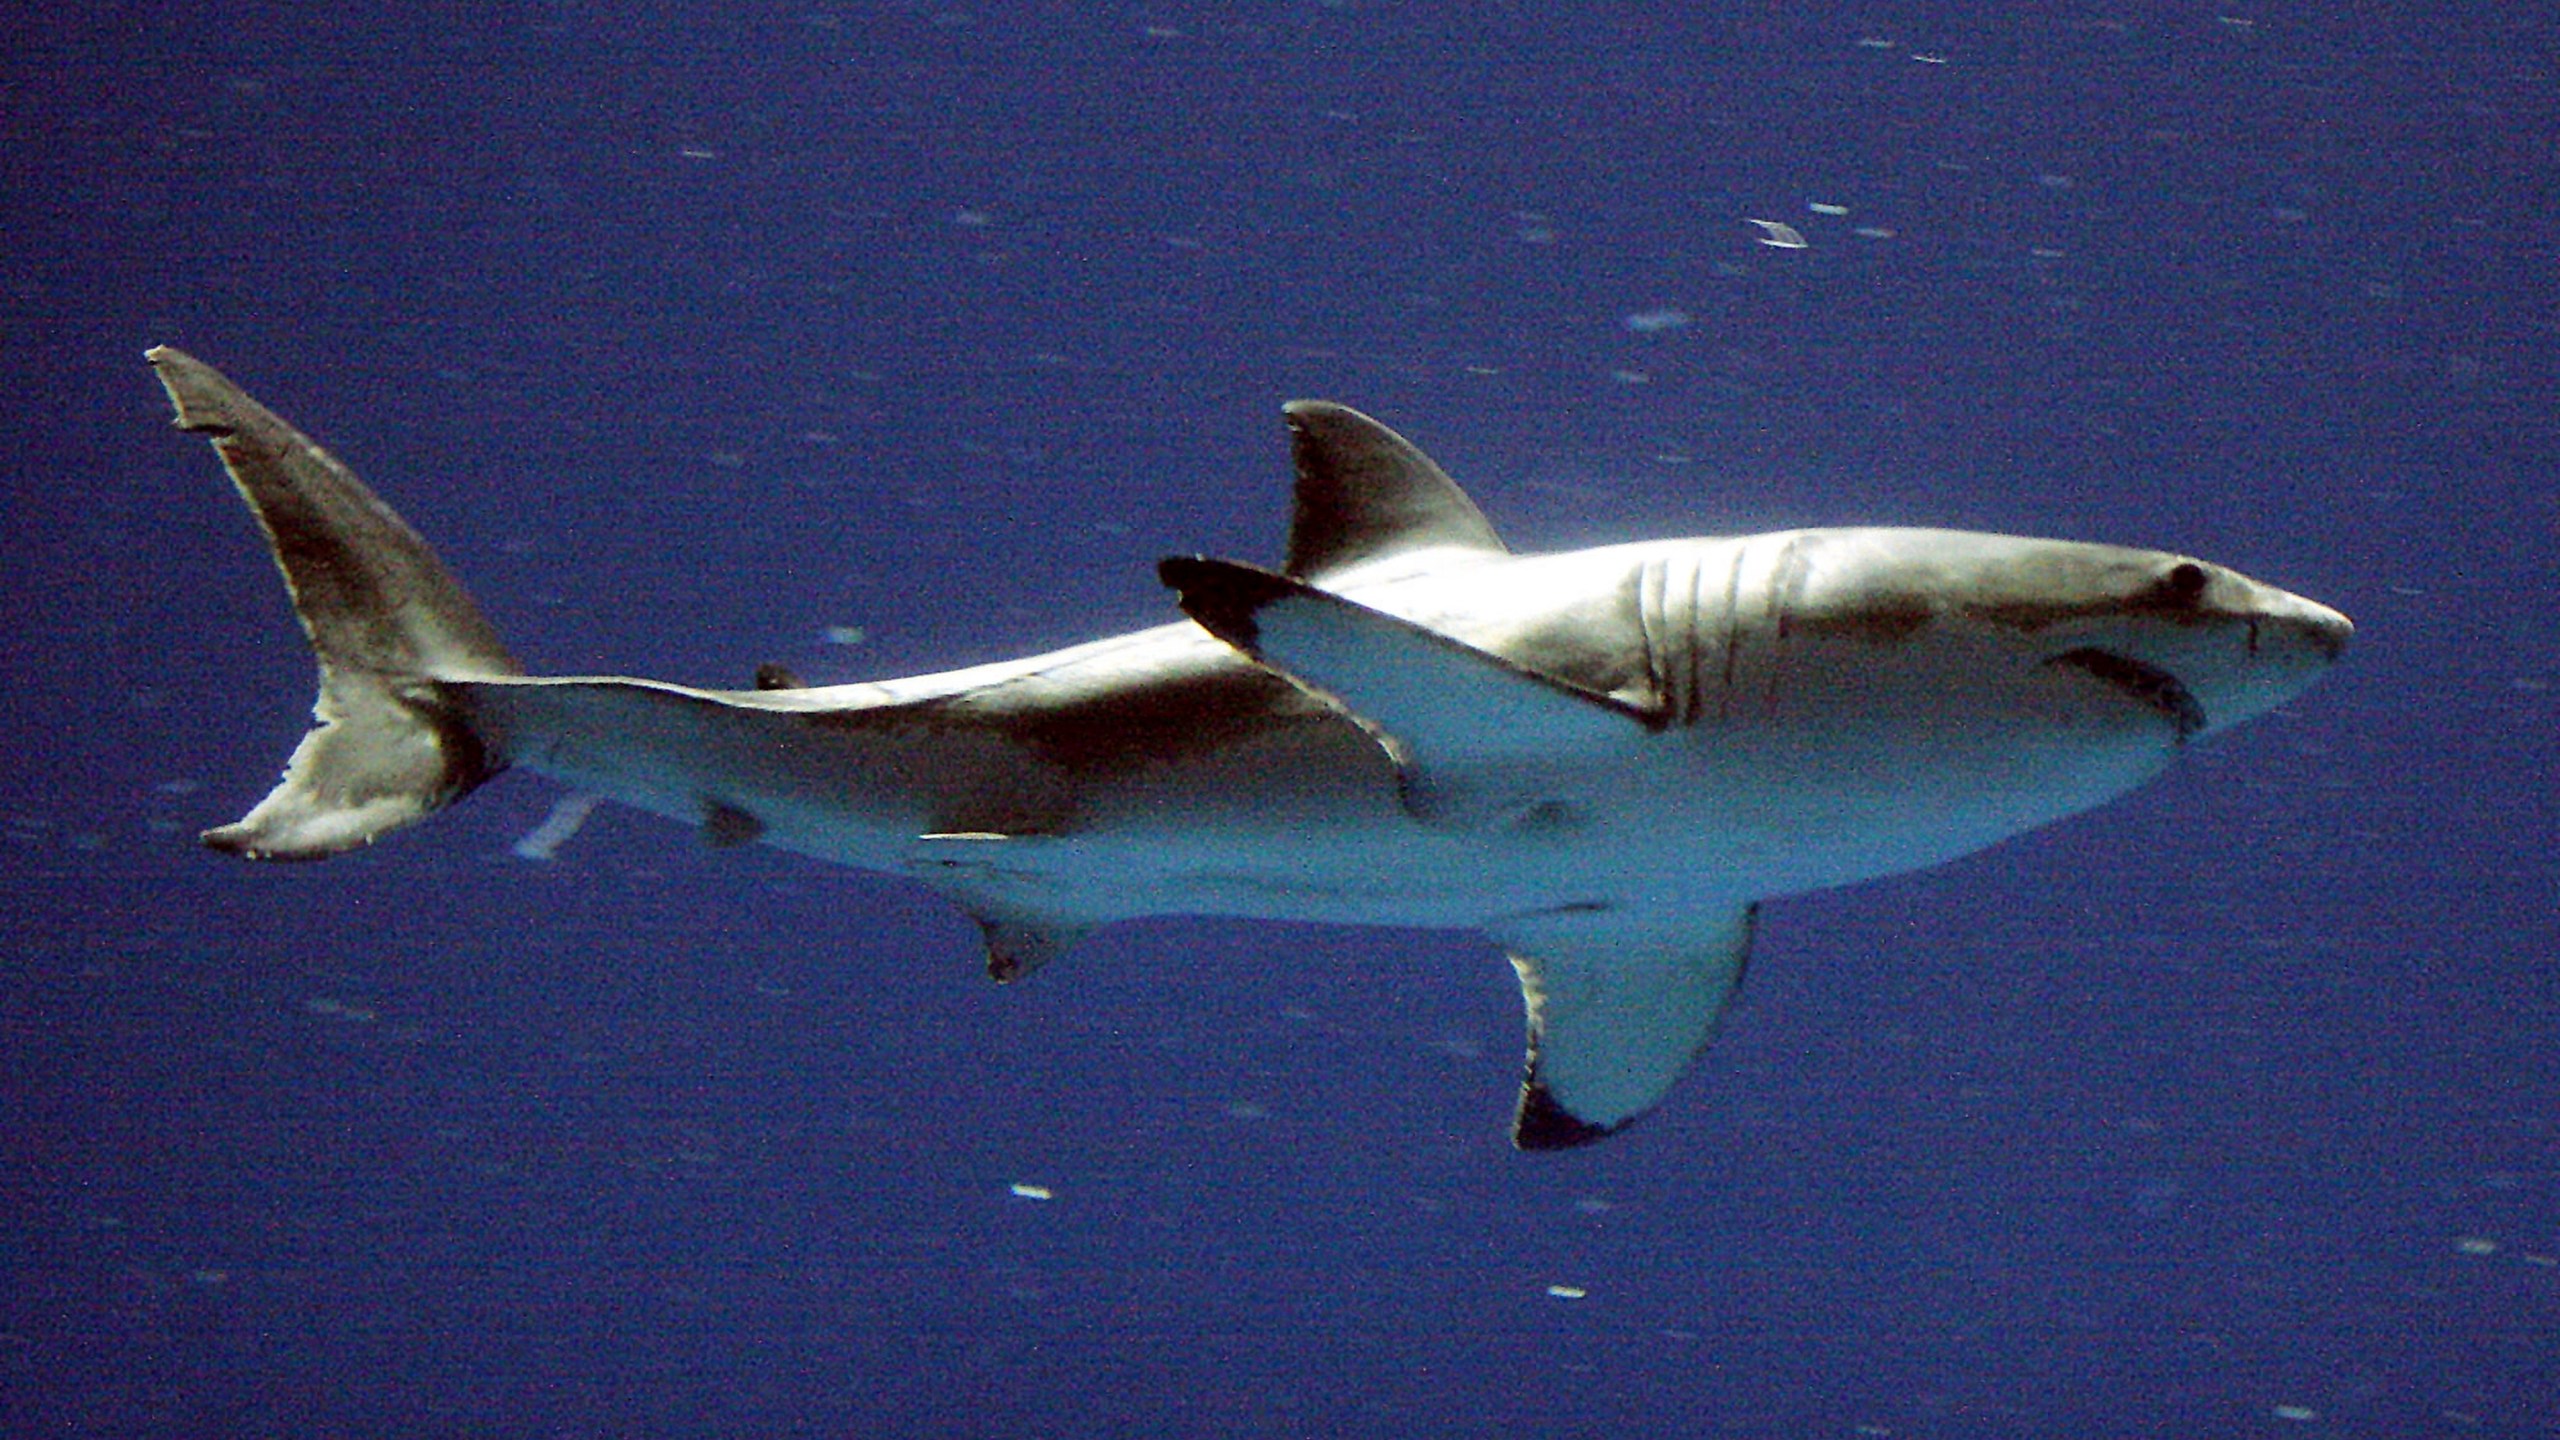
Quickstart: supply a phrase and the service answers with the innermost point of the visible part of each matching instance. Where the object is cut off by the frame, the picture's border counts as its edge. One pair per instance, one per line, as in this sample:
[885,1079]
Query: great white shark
[1601,760]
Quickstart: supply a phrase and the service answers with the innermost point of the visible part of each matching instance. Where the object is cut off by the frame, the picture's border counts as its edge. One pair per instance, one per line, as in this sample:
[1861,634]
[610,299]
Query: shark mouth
[2145,683]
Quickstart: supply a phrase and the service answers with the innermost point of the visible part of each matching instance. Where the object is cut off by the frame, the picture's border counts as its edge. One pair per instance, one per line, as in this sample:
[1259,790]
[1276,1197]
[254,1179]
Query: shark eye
[2182,586]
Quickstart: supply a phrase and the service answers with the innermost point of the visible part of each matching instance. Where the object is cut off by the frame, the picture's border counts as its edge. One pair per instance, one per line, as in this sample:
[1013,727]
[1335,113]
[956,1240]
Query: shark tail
[388,624]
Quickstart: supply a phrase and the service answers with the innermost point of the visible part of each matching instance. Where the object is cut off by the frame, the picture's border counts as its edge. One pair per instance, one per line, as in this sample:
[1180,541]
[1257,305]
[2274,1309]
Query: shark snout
[2322,631]
[2326,630]
[2256,649]
[2290,642]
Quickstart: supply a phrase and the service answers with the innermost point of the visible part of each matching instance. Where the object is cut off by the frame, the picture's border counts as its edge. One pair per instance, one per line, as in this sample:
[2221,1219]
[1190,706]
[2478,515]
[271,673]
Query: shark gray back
[1602,760]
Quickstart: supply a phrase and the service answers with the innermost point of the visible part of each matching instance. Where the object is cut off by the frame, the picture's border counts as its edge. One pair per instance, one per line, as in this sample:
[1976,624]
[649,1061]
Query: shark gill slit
[1693,642]
[1669,613]
[1652,631]
[1732,633]
[1786,573]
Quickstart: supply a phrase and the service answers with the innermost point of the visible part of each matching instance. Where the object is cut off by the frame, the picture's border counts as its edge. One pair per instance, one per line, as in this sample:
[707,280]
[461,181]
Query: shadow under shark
[1601,760]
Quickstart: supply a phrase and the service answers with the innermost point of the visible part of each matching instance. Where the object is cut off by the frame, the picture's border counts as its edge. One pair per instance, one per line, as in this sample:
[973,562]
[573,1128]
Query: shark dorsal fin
[1365,492]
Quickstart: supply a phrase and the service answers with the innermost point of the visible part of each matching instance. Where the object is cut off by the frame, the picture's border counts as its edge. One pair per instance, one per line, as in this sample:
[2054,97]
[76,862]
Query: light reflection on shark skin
[1602,760]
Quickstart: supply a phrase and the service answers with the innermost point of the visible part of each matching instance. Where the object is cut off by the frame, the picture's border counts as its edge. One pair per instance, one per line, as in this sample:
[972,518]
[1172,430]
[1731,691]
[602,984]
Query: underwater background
[878,338]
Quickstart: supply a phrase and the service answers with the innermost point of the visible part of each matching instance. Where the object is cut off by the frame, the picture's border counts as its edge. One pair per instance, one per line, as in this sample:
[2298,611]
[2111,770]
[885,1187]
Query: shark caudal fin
[386,622]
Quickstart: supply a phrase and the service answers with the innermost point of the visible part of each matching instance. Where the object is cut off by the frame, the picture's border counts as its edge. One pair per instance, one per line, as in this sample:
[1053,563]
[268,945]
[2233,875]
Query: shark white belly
[1601,760]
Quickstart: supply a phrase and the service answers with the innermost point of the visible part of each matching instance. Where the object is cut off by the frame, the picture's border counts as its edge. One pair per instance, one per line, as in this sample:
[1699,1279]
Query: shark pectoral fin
[1475,736]
[1616,1010]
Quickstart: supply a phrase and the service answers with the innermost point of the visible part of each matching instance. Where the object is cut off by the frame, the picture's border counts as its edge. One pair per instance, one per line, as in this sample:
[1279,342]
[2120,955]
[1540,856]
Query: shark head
[2204,646]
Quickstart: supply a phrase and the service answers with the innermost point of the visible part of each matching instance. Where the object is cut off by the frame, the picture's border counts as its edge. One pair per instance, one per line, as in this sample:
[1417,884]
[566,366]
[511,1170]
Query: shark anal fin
[1617,1007]
[1365,493]
[725,825]
[1475,735]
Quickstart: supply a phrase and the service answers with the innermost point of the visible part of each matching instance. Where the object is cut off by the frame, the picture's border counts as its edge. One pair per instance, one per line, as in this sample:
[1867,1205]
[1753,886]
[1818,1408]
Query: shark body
[1601,760]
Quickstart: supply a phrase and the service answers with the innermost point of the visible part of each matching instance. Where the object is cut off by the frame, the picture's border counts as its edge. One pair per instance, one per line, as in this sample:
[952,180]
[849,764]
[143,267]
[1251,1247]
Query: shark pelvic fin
[1616,1012]
[1015,947]
[387,623]
[1364,493]
[999,879]
[1477,739]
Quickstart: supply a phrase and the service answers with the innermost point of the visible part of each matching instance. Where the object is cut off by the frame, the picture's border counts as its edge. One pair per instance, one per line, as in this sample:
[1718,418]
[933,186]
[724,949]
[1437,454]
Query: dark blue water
[2233,1108]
